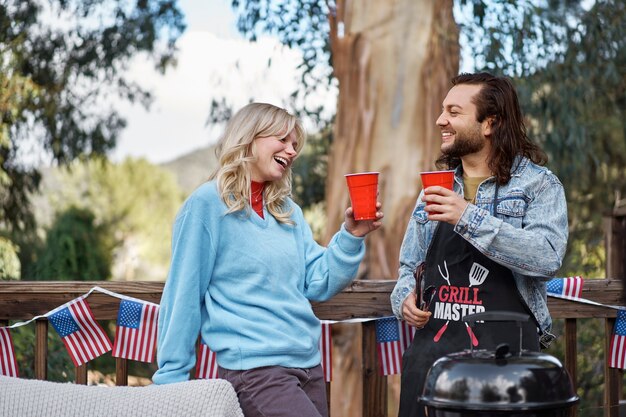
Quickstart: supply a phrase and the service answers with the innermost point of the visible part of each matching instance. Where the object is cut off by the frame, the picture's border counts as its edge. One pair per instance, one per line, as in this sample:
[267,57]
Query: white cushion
[33,398]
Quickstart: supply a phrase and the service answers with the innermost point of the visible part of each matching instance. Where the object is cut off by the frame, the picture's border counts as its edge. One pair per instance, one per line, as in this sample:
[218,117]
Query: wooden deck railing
[24,300]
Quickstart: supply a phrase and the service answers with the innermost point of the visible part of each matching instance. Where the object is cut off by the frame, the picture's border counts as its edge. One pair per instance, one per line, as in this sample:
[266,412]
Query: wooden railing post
[571,354]
[41,349]
[374,384]
[328,397]
[121,371]
[81,374]
[612,376]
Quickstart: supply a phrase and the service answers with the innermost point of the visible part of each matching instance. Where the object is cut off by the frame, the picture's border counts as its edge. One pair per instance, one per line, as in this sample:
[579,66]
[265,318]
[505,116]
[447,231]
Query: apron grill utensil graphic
[440,332]
[446,277]
[447,274]
[477,274]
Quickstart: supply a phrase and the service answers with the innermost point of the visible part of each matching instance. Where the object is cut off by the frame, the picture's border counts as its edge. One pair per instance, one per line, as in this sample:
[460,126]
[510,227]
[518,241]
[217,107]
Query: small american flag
[135,335]
[568,287]
[206,365]
[326,349]
[617,354]
[393,336]
[83,337]
[8,364]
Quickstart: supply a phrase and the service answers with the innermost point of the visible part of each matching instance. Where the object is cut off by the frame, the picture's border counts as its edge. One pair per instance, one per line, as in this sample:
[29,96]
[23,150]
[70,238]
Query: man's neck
[475,165]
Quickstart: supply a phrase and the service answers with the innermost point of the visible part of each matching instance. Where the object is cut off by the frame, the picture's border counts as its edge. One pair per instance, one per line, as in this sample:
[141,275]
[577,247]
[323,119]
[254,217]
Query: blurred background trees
[59,59]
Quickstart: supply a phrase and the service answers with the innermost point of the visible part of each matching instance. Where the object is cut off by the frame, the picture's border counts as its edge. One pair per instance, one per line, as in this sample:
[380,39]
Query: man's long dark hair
[498,99]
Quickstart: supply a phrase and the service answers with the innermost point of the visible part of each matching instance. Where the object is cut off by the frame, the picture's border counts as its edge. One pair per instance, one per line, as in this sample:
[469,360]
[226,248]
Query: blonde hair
[235,153]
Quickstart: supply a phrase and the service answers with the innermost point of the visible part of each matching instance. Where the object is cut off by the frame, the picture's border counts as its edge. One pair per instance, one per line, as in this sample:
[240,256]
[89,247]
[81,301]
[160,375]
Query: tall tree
[76,249]
[55,79]
[393,61]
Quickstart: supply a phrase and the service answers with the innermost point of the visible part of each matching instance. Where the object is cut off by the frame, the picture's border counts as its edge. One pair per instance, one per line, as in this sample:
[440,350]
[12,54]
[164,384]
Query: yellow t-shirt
[470,186]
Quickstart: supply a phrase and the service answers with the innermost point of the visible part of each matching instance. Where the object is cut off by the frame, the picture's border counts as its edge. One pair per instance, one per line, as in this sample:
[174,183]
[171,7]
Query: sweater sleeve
[330,269]
[192,261]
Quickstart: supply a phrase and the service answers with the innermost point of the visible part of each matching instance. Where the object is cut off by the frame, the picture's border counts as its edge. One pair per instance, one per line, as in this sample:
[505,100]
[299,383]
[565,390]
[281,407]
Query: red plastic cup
[363,188]
[441,178]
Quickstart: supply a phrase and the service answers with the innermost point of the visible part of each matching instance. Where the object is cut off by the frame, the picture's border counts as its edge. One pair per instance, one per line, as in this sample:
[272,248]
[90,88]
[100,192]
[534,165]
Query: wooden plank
[346,306]
[374,384]
[571,355]
[362,299]
[41,349]
[22,300]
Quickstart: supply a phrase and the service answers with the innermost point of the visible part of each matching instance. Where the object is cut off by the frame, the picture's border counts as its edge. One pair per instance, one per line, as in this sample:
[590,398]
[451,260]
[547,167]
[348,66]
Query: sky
[214,61]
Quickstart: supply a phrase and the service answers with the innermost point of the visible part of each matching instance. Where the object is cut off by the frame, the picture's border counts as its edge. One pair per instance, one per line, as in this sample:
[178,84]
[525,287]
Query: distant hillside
[193,168]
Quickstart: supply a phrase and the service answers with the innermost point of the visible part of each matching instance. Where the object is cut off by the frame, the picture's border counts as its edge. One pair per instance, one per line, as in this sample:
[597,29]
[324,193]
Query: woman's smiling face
[274,155]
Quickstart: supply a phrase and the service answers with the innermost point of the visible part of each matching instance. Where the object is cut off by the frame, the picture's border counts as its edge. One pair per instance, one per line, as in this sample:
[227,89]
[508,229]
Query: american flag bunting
[8,364]
[206,364]
[617,353]
[568,287]
[83,337]
[135,334]
[393,336]
[326,350]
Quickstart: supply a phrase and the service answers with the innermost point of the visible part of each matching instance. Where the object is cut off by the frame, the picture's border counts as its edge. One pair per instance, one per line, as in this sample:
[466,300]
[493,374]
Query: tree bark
[393,60]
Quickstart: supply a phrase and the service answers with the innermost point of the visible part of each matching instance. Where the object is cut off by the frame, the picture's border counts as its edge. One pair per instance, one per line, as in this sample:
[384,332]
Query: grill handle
[499,315]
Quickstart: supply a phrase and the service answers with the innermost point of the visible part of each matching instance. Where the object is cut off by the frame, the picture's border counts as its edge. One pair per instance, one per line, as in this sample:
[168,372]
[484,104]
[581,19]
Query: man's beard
[465,143]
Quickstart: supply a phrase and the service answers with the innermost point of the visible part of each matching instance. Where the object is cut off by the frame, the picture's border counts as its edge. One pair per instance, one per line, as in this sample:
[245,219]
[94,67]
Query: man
[490,244]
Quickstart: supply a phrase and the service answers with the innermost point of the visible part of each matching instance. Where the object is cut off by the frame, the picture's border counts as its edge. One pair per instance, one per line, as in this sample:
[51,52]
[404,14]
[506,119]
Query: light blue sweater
[244,283]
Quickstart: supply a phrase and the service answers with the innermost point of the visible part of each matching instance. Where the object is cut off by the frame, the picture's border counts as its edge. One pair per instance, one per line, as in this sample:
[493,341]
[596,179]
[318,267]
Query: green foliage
[309,170]
[134,201]
[55,77]
[60,366]
[303,25]
[590,345]
[76,249]
[9,261]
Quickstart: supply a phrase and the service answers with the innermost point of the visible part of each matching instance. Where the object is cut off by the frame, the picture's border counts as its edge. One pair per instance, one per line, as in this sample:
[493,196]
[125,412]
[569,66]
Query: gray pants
[275,391]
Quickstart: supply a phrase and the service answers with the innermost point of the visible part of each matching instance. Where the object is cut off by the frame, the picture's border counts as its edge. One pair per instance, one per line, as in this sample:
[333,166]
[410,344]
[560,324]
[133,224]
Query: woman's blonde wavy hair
[235,152]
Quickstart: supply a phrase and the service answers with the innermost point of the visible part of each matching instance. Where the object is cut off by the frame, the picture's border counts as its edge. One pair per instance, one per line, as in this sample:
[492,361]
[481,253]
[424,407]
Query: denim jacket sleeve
[529,234]
[412,252]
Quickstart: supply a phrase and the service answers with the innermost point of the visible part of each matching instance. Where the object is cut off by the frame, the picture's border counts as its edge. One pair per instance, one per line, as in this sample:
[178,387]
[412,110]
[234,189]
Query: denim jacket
[528,235]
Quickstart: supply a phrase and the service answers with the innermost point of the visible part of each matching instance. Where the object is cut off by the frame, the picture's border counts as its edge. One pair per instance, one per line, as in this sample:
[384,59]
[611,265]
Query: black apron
[467,282]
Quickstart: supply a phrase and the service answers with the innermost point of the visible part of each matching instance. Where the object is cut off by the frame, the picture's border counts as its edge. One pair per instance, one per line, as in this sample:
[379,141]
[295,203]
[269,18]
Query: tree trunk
[393,60]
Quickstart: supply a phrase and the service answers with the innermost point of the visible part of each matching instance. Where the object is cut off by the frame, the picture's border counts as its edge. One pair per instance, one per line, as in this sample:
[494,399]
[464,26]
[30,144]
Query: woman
[244,268]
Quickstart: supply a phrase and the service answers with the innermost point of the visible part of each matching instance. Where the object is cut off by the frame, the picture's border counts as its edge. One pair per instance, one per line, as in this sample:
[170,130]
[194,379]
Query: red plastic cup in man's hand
[363,188]
[441,178]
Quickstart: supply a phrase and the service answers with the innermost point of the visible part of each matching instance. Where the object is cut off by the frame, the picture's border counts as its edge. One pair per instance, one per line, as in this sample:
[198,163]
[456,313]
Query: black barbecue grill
[505,382]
